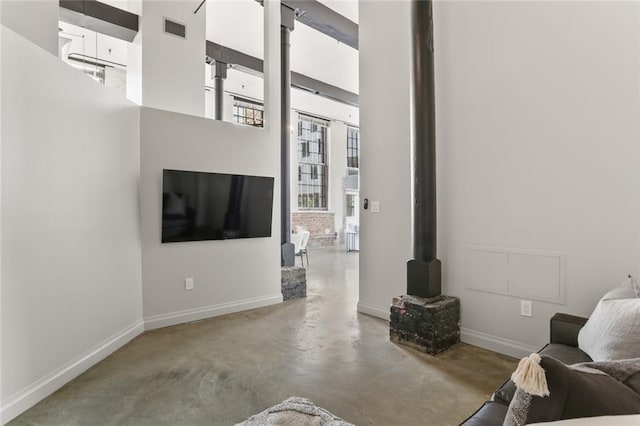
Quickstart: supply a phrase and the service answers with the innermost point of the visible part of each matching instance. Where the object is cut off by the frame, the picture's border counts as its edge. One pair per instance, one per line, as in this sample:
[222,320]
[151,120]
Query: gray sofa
[563,346]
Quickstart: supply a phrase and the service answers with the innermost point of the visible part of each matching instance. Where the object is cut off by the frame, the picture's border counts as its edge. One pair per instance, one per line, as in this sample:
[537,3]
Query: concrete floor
[223,370]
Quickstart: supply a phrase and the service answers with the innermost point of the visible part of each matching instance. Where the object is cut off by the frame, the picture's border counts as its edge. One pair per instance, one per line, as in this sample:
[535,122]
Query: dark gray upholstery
[565,354]
[577,393]
[490,414]
[505,392]
[563,347]
[565,328]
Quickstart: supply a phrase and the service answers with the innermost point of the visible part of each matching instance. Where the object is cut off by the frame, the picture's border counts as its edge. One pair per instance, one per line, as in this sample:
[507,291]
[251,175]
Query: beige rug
[295,412]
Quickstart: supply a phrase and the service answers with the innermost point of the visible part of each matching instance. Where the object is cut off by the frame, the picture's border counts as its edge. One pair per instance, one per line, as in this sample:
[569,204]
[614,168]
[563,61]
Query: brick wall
[317,223]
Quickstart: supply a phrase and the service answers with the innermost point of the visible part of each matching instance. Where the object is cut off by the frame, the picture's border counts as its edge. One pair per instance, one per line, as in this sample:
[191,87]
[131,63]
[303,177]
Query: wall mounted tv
[214,206]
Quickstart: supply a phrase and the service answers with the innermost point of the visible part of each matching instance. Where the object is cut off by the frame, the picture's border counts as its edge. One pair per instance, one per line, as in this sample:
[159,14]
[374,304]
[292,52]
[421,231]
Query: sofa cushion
[582,390]
[613,330]
[564,353]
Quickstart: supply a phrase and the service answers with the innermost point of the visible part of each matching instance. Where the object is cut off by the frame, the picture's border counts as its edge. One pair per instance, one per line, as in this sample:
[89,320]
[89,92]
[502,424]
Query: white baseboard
[37,391]
[189,315]
[382,312]
[496,344]
[472,337]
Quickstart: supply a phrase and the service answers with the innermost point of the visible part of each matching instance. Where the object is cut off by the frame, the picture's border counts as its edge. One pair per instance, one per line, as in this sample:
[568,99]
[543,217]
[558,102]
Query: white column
[272,95]
[337,171]
[165,70]
[1,145]
[294,161]
[385,163]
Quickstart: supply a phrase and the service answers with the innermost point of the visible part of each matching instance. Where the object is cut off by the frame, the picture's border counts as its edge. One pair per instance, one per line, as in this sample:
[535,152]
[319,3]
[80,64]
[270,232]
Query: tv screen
[214,206]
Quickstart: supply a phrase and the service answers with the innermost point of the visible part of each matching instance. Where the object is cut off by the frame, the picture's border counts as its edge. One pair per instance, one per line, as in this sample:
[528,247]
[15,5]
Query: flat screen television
[215,206]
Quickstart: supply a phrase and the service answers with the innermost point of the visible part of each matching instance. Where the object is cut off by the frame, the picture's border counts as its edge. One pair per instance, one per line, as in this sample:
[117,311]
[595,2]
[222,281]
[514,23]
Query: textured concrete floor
[222,370]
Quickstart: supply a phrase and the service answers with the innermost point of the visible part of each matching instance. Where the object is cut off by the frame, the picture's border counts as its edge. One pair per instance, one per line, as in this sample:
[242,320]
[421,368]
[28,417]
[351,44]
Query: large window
[312,163]
[247,112]
[353,159]
[353,143]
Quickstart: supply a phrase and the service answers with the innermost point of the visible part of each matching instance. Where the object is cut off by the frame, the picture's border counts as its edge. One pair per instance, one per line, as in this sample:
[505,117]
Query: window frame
[353,152]
[247,105]
[313,163]
[353,147]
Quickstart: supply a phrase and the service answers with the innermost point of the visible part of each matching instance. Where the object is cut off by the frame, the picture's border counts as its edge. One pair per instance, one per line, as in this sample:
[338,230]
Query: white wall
[36,20]
[165,71]
[537,145]
[539,135]
[337,171]
[71,274]
[223,282]
[319,56]
[120,4]
[238,24]
[1,139]
[347,8]
[385,239]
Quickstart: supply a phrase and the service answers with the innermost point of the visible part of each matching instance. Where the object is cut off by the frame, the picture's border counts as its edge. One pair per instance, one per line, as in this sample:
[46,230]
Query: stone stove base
[428,325]
[294,282]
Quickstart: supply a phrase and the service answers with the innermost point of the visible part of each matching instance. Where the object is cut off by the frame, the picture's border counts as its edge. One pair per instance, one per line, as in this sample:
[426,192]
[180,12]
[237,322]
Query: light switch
[375,207]
[188,283]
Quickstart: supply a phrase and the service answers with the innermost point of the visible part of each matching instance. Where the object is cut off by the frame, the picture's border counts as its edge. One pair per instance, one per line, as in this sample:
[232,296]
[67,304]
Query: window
[353,144]
[353,159]
[350,205]
[247,112]
[312,163]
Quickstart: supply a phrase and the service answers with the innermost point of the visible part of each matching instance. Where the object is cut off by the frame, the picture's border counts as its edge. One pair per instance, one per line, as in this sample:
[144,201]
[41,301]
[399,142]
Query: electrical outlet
[526,309]
[188,283]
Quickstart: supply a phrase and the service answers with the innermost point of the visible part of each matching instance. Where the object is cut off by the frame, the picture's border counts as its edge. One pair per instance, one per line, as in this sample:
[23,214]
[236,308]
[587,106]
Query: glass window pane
[312,175]
[248,112]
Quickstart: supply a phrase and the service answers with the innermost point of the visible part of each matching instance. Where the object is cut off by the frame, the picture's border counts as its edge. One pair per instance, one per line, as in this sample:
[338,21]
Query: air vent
[175,28]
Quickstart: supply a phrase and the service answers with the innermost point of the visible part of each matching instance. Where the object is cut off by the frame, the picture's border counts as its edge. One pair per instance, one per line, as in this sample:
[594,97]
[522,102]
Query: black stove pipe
[424,270]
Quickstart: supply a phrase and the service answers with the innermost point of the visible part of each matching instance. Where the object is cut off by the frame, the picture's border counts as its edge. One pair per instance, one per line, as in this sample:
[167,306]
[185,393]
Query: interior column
[286,26]
[423,271]
[219,75]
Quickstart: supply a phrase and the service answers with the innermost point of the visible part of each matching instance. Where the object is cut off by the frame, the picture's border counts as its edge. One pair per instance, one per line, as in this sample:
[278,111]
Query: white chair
[301,249]
[296,240]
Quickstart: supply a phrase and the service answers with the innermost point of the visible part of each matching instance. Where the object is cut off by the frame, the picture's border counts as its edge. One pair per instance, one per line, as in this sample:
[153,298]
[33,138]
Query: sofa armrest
[565,328]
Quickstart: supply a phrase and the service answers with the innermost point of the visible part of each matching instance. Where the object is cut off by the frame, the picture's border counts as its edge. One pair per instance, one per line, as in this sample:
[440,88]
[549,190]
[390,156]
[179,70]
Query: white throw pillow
[627,420]
[613,330]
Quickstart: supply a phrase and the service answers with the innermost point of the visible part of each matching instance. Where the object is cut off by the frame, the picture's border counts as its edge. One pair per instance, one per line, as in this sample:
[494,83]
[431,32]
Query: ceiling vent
[175,28]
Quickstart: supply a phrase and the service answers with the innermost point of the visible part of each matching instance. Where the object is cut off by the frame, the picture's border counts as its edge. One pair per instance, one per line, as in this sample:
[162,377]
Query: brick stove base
[428,325]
